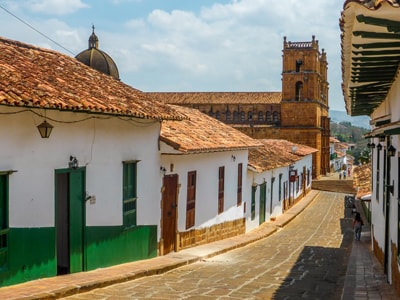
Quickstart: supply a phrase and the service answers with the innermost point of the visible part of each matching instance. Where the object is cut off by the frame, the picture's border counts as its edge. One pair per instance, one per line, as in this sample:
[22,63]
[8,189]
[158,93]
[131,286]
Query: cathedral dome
[97,59]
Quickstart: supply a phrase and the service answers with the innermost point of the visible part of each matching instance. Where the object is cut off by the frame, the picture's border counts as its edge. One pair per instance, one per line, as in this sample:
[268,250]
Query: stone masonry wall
[214,233]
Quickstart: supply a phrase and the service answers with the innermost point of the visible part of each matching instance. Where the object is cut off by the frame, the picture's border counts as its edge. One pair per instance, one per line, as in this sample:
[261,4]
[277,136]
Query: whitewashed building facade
[371,87]
[205,161]
[279,175]
[87,196]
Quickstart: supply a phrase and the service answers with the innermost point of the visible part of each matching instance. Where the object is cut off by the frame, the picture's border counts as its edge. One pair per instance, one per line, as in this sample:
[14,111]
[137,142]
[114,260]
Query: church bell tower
[304,106]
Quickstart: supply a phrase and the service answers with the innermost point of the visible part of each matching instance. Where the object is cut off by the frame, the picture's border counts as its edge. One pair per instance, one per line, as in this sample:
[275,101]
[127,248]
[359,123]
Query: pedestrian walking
[340,175]
[357,226]
[344,174]
[353,209]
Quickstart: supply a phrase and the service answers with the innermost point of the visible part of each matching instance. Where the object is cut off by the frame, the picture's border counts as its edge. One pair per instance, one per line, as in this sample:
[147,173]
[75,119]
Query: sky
[185,45]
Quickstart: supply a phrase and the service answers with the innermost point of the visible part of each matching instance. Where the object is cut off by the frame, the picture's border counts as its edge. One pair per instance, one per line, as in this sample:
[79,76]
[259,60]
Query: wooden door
[304,181]
[169,204]
[70,192]
[4,229]
[263,200]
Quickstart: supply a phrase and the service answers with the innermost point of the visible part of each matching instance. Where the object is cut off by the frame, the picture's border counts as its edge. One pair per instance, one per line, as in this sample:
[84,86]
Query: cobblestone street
[307,259]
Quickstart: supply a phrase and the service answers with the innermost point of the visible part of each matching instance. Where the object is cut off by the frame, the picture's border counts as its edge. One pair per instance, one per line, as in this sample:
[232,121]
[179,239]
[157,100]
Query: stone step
[338,186]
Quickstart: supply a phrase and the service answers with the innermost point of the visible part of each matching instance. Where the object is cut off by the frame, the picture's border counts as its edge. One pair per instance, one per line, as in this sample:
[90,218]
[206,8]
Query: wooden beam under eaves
[391,26]
[377,35]
[377,45]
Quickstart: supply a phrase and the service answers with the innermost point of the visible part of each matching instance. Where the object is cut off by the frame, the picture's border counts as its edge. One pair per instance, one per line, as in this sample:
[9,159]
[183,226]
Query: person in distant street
[344,174]
[357,226]
[353,210]
[340,175]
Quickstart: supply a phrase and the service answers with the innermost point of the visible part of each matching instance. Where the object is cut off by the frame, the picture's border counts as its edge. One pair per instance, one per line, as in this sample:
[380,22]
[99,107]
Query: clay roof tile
[277,153]
[202,133]
[40,78]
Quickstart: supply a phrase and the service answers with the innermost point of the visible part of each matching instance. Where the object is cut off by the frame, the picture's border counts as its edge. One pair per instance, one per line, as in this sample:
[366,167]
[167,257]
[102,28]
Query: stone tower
[299,113]
[304,104]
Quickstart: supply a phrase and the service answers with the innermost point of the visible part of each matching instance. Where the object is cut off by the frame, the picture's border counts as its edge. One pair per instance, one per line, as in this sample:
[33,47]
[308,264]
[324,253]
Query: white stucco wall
[258,179]
[206,166]
[390,107]
[254,178]
[100,144]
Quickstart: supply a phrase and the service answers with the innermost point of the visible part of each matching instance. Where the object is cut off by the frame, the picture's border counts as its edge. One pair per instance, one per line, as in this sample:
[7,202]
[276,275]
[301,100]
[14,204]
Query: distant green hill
[351,130]
[338,116]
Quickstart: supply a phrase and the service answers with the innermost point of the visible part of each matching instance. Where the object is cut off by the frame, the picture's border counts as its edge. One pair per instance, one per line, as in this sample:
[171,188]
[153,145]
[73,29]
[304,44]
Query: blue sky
[185,45]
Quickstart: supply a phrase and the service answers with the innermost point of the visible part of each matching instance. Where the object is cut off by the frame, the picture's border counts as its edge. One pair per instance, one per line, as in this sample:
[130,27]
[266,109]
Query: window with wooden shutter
[129,191]
[239,184]
[191,199]
[221,182]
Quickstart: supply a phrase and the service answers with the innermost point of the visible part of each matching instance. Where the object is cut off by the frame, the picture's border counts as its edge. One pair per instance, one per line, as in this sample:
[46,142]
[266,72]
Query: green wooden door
[76,219]
[263,200]
[70,222]
[3,222]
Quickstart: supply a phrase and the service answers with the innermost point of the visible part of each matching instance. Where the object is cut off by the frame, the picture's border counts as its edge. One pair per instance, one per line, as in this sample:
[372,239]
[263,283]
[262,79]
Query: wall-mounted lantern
[73,162]
[379,147]
[45,129]
[163,170]
[391,151]
[390,188]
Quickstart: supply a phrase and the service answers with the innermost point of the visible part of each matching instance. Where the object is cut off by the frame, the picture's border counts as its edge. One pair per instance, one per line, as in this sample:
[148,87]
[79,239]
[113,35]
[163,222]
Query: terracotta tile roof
[276,154]
[362,180]
[333,140]
[41,78]
[203,134]
[349,159]
[373,4]
[341,146]
[339,154]
[219,97]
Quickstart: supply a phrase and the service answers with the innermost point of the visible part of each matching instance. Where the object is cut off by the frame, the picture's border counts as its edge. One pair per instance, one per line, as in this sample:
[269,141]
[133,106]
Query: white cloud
[55,7]
[136,24]
[223,47]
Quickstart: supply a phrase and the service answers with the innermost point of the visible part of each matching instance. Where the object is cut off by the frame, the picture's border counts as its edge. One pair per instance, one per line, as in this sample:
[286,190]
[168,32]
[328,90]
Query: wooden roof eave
[174,116]
[376,30]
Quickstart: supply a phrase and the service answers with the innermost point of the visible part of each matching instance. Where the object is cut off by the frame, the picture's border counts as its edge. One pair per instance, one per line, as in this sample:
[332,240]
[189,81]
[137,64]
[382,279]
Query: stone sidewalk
[364,280]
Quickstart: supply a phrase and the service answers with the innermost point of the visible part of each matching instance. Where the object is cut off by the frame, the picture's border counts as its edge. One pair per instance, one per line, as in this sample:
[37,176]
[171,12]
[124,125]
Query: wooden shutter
[239,184]
[191,199]
[221,181]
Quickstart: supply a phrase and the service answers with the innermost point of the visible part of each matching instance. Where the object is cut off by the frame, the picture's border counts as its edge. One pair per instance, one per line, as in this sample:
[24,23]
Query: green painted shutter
[76,220]
[253,202]
[263,200]
[129,190]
